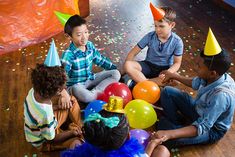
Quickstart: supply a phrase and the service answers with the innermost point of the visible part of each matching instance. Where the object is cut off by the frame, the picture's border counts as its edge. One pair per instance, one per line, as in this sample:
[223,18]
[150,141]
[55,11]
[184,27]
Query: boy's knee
[75,103]
[127,66]
[161,149]
[167,90]
[165,94]
[86,99]
[116,75]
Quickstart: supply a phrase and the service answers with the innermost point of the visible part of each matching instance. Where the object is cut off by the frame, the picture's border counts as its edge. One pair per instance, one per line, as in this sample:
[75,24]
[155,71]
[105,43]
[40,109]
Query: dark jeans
[151,70]
[179,107]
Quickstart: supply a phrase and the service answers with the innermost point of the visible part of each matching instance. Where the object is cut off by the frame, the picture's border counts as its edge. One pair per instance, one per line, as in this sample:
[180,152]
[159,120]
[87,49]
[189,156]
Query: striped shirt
[78,64]
[40,122]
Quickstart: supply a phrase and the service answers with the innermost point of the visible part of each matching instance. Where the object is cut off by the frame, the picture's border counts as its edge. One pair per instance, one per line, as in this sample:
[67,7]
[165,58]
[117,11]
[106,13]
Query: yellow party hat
[212,46]
[115,104]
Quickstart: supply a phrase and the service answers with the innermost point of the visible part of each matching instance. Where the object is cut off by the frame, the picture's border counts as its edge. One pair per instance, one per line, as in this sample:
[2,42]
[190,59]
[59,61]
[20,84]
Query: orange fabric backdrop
[25,22]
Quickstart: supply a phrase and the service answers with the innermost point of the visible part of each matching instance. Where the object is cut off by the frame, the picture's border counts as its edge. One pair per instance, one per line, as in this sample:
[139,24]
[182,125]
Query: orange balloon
[147,90]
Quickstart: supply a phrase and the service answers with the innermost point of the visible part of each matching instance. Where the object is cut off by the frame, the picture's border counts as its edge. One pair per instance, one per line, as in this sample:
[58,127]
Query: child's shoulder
[90,44]
[175,36]
[151,34]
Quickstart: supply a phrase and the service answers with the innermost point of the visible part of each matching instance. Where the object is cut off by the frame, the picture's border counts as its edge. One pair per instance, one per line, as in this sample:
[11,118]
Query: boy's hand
[157,141]
[164,135]
[168,76]
[77,131]
[64,100]
[158,80]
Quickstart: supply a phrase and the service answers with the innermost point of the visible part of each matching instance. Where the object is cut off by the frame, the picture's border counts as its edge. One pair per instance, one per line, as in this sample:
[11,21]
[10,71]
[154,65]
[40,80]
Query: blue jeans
[174,101]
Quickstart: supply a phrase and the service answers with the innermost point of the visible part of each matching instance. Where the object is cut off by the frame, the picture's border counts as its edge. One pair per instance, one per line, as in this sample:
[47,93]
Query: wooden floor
[115,27]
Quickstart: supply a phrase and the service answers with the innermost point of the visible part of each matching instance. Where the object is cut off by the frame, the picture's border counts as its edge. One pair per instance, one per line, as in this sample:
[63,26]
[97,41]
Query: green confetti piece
[34,155]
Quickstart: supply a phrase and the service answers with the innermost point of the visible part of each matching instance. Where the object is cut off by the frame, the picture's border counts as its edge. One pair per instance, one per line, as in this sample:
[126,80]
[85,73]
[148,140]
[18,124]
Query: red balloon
[103,97]
[118,89]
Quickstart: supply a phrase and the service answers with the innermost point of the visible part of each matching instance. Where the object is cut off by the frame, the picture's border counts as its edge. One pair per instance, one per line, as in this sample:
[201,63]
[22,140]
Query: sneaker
[128,81]
[125,78]
[131,83]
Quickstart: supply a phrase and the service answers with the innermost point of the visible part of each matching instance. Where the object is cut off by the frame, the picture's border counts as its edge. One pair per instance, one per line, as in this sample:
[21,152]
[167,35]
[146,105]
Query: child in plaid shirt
[78,60]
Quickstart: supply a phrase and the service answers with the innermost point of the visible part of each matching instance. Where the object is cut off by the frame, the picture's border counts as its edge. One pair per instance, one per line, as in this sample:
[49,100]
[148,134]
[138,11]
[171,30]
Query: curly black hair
[220,62]
[72,22]
[106,138]
[47,81]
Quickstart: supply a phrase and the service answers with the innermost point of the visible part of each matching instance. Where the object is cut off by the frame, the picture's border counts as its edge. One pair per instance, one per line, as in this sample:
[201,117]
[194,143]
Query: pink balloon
[118,89]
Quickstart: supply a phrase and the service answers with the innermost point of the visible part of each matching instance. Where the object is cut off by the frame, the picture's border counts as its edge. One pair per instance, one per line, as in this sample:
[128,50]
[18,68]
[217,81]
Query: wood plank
[115,27]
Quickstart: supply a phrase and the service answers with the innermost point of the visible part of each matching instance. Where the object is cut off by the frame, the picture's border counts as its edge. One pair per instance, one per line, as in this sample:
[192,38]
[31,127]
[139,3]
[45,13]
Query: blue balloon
[94,107]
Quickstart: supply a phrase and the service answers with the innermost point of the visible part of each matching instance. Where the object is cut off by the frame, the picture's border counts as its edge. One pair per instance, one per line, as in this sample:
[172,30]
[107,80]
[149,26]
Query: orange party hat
[158,13]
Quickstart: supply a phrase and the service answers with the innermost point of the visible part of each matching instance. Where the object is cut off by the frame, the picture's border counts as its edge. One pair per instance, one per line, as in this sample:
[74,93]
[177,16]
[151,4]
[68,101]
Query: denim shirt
[214,104]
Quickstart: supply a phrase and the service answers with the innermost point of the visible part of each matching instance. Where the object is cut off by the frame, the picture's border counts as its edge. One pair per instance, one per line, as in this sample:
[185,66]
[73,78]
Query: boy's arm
[66,60]
[102,61]
[178,52]
[168,76]
[134,51]
[188,131]
[177,62]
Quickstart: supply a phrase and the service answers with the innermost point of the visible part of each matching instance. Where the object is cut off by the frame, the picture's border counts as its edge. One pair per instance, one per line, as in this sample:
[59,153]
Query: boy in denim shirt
[165,49]
[78,60]
[210,114]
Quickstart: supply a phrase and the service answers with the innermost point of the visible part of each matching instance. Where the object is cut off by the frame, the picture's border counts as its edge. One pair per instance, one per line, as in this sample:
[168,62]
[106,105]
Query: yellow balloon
[140,114]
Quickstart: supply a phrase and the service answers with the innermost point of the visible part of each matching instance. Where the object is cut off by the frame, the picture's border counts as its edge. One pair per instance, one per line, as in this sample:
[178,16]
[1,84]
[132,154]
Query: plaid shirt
[78,64]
